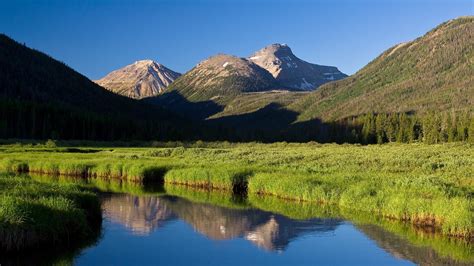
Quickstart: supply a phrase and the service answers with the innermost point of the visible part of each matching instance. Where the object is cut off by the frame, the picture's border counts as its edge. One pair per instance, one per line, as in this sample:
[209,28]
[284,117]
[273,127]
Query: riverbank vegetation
[426,185]
[35,214]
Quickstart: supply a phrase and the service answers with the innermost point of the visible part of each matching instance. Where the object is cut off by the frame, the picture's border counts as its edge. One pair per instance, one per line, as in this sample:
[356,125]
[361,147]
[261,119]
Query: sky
[96,37]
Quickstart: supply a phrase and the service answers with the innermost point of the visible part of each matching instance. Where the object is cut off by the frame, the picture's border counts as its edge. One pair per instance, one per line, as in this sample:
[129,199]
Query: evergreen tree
[471,131]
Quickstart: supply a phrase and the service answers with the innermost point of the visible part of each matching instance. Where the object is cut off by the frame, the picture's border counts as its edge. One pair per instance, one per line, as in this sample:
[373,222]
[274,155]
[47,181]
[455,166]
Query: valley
[250,158]
[418,192]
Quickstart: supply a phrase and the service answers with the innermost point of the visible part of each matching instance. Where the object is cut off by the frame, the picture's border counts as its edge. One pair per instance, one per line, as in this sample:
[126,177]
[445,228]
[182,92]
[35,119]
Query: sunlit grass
[428,185]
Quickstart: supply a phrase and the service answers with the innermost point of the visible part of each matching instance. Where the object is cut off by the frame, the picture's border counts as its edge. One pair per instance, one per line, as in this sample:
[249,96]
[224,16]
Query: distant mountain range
[273,67]
[271,95]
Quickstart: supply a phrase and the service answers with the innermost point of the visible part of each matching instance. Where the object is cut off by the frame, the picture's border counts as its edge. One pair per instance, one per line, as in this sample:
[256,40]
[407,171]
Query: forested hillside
[433,73]
[43,98]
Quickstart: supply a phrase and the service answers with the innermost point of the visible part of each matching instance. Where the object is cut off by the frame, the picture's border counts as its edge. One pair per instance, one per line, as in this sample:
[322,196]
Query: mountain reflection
[144,214]
[140,214]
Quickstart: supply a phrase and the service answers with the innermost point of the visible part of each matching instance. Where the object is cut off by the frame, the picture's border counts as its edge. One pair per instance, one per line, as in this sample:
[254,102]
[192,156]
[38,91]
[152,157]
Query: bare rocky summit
[290,71]
[139,80]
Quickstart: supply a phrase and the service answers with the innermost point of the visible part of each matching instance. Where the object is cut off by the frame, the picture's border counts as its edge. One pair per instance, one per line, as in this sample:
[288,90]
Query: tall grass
[35,214]
[224,177]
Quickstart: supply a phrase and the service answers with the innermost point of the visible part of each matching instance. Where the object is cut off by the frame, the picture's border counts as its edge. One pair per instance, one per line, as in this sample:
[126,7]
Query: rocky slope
[292,72]
[141,79]
[432,73]
[222,76]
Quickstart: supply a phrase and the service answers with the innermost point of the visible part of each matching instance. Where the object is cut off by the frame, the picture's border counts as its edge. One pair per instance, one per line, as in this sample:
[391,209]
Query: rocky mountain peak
[144,78]
[223,76]
[292,72]
[276,48]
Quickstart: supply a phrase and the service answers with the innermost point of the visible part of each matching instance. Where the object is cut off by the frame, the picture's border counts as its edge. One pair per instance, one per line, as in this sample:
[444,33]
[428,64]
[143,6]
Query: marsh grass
[33,214]
[426,185]
[224,178]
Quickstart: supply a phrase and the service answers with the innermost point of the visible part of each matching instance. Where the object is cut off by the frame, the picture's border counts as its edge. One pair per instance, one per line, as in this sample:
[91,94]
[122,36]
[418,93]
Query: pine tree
[380,121]
[471,131]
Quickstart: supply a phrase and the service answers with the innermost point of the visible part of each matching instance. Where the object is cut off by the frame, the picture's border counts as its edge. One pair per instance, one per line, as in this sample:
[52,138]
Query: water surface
[169,230]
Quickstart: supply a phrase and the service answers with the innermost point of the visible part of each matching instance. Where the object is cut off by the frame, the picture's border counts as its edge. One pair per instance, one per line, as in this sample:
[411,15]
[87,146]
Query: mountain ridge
[431,73]
[223,79]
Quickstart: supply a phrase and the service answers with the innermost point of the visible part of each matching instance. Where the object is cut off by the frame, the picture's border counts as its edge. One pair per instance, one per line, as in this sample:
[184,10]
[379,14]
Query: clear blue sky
[96,37]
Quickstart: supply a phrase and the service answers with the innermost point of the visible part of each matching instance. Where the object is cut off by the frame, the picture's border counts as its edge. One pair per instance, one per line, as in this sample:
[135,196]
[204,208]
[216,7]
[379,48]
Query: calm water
[168,230]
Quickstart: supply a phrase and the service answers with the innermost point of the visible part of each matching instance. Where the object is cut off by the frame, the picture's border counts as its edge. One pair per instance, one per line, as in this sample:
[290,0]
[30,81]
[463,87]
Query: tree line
[29,120]
[431,128]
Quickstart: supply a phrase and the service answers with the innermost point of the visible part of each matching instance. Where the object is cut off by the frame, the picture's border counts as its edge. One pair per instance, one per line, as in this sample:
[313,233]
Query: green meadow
[424,185]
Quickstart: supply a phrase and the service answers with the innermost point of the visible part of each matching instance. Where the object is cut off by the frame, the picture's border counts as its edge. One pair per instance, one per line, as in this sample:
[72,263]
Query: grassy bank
[40,215]
[427,185]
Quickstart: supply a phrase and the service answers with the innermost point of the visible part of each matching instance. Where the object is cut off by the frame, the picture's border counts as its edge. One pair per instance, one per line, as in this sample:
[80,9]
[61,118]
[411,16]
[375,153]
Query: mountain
[141,79]
[290,71]
[41,98]
[209,86]
[422,90]
[222,76]
[433,73]
[222,83]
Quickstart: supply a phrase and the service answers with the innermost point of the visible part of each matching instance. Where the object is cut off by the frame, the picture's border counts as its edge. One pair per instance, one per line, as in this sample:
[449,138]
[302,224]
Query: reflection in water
[141,214]
[219,216]
[278,231]
[266,230]
[399,248]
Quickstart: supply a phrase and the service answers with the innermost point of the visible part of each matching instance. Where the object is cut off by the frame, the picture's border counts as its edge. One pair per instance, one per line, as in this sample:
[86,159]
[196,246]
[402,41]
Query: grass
[426,185]
[35,214]
[225,178]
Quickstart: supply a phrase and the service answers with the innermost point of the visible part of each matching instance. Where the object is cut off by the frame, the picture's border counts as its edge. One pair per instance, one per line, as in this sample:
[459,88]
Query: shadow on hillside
[276,123]
[270,123]
[177,103]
